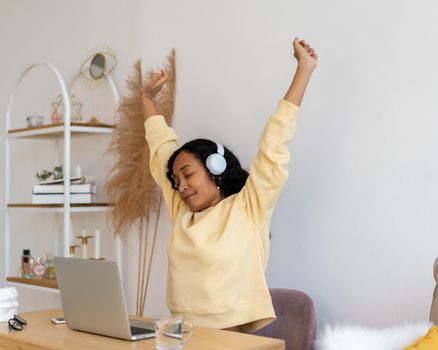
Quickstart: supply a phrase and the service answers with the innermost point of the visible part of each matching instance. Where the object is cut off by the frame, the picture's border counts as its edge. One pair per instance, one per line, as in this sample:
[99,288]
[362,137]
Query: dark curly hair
[230,181]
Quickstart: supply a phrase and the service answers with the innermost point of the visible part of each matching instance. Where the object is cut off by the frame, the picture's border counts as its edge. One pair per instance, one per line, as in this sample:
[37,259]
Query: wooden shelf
[57,130]
[90,207]
[47,283]
[74,205]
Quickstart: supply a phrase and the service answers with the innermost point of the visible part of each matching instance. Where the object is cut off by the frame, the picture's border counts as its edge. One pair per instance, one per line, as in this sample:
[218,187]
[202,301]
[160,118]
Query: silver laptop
[93,300]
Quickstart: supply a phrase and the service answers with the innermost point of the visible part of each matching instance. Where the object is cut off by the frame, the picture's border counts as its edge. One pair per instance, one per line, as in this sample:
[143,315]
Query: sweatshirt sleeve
[162,141]
[268,172]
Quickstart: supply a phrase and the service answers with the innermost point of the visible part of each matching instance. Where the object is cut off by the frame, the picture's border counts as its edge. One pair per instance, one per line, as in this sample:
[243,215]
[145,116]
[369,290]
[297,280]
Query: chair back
[434,308]
[296,320]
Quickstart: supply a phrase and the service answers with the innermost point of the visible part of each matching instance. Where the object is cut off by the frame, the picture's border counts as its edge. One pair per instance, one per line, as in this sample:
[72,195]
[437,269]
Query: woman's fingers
[160,82]
[154,84]
[154,78]
[162,78]
[307,47]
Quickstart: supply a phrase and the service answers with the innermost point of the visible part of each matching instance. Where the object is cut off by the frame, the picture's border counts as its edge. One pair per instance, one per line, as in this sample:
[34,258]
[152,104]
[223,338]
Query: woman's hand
[307,61]
[305,54]
[151,88]
[154,84]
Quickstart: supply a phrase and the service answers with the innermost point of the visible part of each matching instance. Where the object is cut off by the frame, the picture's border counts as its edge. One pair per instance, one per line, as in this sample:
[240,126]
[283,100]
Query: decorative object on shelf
[58,198]
[46,175]
[57,107]
[94,121]
[38,269]
[51,190]
[73,180]
[73,250]
[130,185]
[34,120]
[49,265]
[26,271]
[78,170]
[59,188]
[94,68]
[98,64]
[97,243]
[84,241]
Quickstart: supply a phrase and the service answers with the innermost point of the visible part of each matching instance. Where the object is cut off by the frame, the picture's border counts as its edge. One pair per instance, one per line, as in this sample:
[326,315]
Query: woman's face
[194,185]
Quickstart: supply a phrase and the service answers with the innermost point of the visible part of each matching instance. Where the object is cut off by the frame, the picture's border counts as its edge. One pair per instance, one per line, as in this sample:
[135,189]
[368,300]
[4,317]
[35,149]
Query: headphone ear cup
[216,163]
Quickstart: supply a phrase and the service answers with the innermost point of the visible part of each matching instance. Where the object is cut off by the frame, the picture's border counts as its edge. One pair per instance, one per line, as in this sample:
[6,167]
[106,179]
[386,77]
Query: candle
[84,250]
[72,250]
[78,170]
[84,244]
[72,234]
[97,244]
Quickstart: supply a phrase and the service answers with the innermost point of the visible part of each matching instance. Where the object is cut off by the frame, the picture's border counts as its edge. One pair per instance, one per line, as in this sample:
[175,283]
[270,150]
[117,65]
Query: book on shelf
[58,198]
[73,180]
[59,188]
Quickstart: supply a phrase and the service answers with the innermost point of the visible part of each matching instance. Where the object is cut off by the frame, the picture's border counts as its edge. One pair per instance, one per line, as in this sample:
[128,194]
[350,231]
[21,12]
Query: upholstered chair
[434,307]
[296,320]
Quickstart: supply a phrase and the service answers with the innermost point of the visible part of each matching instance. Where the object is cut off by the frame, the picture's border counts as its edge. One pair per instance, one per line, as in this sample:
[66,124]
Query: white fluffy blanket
[350,337]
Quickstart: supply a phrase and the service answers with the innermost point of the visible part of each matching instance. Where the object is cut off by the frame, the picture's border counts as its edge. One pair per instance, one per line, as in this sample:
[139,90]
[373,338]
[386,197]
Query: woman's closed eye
[176,182]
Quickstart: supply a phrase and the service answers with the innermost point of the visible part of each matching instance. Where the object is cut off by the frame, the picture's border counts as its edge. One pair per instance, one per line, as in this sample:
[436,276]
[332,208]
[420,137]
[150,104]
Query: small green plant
[57,172]
[46,175]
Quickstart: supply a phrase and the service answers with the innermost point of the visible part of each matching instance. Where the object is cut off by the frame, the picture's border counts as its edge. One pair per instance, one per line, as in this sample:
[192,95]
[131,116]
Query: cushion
[426,342]
[352,337]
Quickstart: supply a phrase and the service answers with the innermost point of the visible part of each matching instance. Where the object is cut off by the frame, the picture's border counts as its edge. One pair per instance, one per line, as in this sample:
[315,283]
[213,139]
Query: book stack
[52,192]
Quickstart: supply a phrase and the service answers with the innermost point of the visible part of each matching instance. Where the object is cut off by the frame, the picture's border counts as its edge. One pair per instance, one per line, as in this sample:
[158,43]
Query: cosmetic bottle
[26,271]
[49,264]
[38,269]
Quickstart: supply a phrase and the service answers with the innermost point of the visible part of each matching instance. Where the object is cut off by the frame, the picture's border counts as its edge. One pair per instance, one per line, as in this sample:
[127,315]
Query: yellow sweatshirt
[217,257]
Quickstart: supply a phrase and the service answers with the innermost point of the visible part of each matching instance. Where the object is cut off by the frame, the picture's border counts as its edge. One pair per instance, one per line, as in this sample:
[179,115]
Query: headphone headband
[220,148]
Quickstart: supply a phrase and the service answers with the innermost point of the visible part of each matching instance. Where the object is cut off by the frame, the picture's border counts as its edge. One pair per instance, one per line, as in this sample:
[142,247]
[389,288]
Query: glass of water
[171,332]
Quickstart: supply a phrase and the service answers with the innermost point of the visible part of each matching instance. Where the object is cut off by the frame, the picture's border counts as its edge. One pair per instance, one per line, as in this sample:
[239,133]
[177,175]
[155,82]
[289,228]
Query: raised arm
[269,170]
[307,61]
[151,87]
[161,139]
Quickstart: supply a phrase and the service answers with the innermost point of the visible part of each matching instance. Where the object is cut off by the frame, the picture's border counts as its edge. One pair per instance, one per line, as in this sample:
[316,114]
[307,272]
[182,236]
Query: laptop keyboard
[138,330]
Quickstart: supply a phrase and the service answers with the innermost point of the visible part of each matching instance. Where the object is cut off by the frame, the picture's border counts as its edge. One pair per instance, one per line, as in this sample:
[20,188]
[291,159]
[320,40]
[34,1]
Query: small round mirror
[97,66]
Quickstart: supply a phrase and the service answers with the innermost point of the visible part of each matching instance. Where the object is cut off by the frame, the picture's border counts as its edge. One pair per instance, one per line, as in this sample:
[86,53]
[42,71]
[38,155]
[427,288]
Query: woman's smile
[188,197]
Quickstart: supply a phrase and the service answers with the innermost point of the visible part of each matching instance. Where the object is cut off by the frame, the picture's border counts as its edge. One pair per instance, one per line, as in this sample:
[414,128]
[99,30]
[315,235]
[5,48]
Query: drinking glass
[171,332]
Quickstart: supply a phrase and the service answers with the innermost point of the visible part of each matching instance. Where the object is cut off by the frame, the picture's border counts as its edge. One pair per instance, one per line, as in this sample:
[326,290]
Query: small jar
[38,269]
[34,120]
[50,267]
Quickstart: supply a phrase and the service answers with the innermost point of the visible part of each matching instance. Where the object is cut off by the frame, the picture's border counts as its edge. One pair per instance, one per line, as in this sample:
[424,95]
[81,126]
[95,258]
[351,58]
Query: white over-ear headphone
[216,162]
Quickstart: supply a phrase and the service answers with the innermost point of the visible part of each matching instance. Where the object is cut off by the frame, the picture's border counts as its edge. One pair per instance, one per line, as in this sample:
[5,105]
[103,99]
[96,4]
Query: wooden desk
[41,334]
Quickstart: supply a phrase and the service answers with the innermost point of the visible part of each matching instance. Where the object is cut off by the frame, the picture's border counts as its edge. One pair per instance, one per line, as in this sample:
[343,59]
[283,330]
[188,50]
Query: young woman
[219,246]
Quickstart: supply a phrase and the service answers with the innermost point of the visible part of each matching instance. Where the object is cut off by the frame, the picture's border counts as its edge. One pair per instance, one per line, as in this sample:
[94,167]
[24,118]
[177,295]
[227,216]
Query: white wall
[356,225]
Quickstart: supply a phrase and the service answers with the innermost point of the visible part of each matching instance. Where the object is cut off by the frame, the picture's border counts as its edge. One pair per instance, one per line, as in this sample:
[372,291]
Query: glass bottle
[38,269]
[26,271]
[50,267]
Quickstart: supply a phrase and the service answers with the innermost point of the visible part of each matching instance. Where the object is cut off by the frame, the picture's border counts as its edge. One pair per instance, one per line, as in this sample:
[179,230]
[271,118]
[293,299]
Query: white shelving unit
[64,132]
